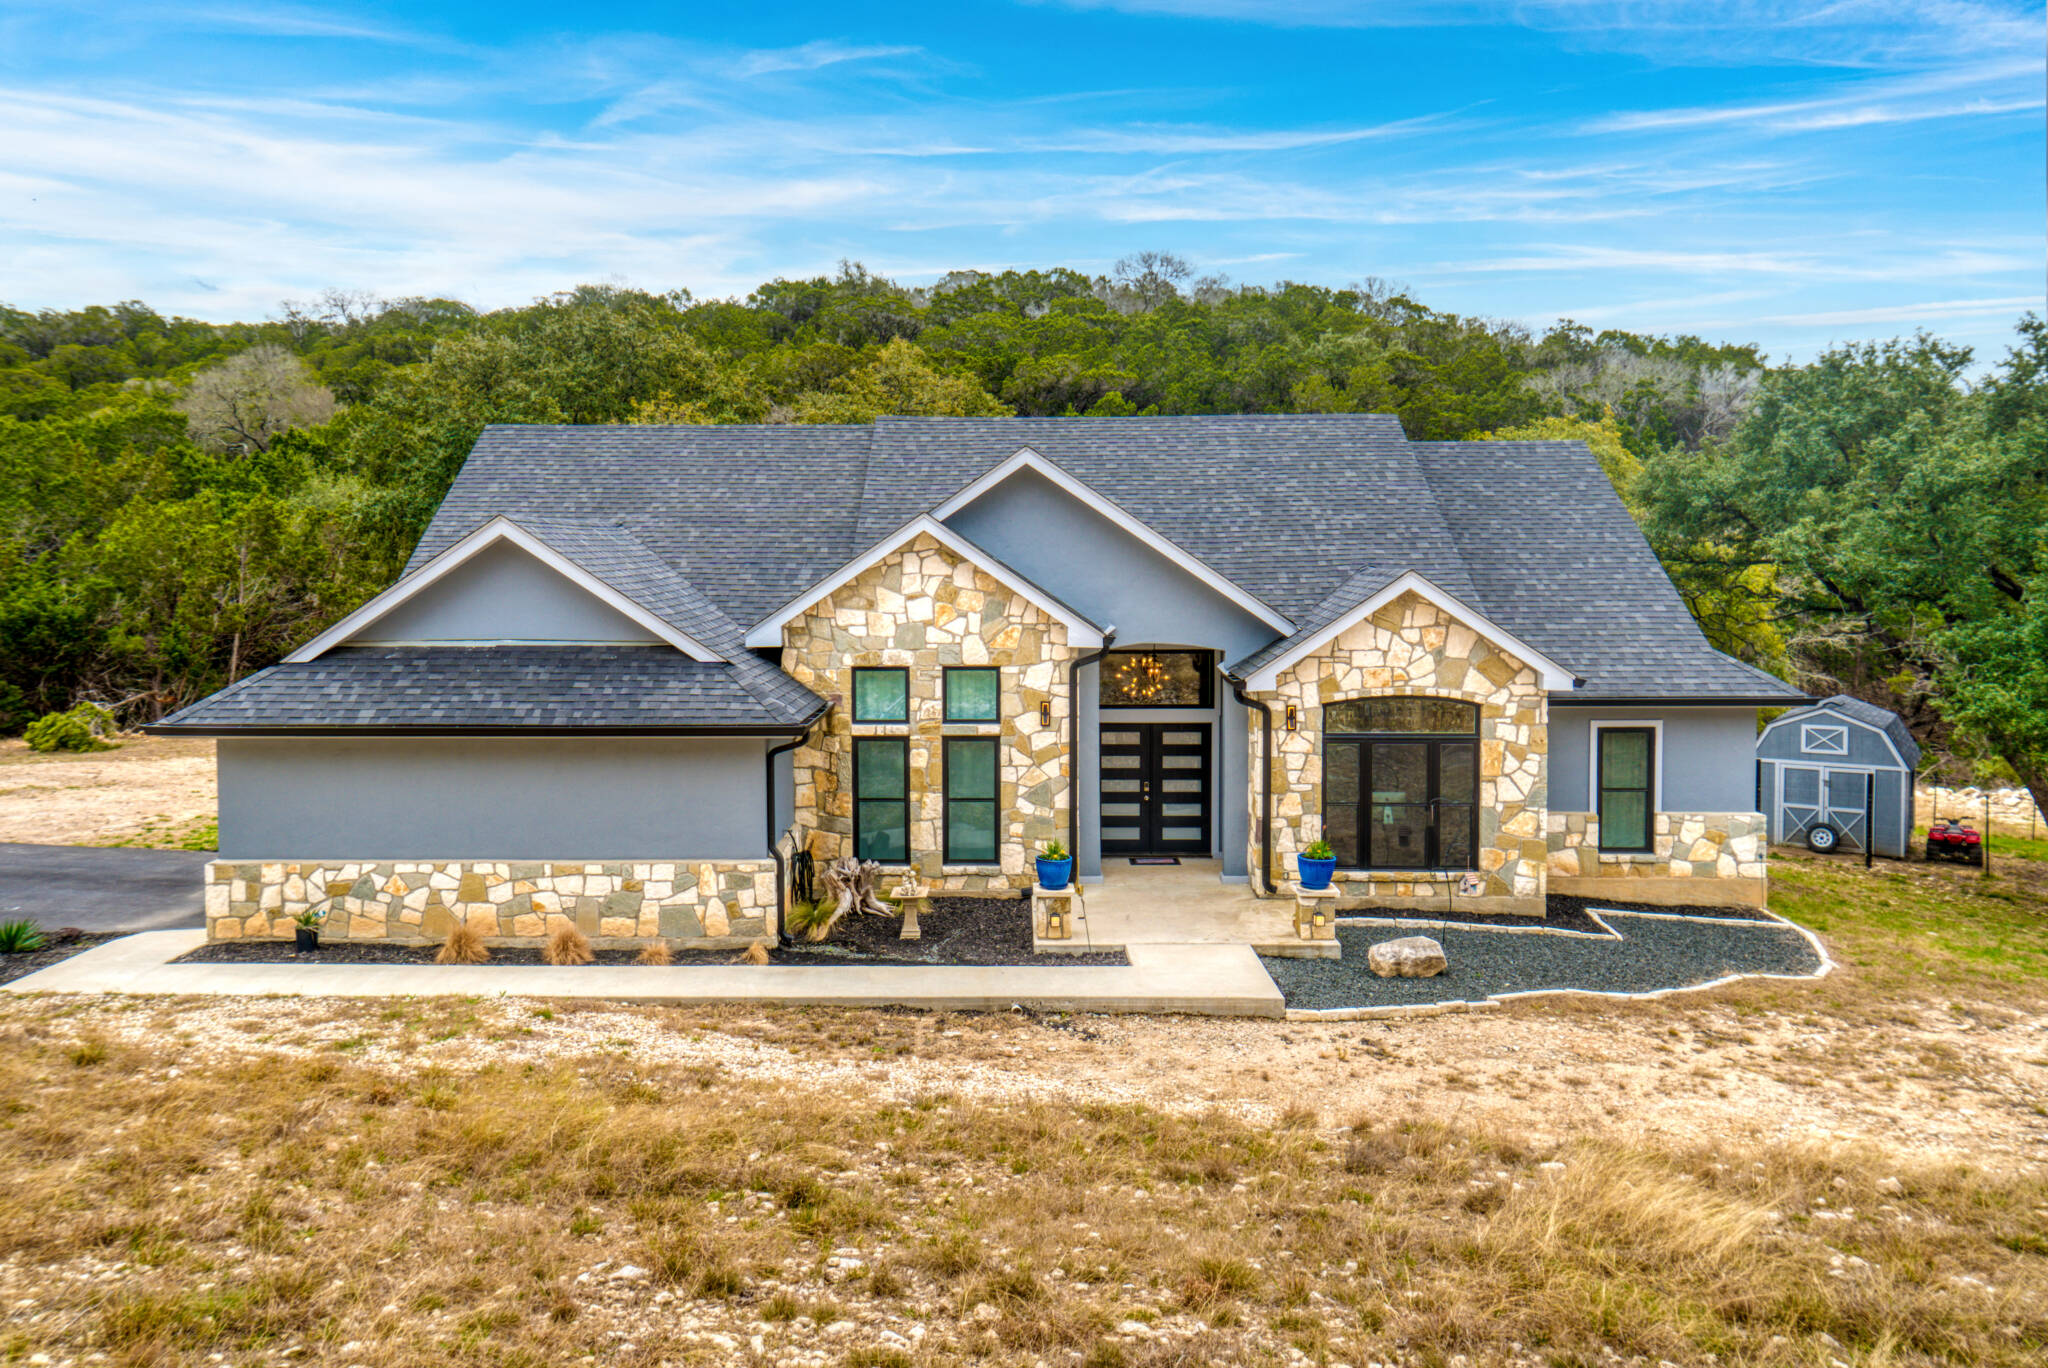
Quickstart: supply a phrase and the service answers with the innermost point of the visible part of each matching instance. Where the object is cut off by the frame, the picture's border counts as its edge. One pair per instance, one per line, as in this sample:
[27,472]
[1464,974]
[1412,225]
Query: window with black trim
[881,799]
[1156,679]
[881,695]
[974,693]
[970,780]
[1626,780]
[1401,783]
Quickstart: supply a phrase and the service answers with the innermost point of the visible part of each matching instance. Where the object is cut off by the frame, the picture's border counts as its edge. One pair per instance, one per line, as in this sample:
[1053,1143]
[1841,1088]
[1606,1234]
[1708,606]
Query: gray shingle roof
[1557,560]
[495,688]
[1286,506]
[1870,715]
[1359,587]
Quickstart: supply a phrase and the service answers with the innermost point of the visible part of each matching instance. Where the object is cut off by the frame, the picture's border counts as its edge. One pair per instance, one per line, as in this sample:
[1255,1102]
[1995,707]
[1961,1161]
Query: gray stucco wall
[1707,763]
[503,594]
[493,798]
[1045,534]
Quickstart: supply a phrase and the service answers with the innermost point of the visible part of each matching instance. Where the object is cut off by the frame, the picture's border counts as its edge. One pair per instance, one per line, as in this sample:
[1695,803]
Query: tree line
[183,502]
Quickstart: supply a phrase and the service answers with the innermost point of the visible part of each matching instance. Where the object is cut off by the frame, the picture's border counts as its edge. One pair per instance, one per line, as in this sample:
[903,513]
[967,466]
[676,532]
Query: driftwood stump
[852,883]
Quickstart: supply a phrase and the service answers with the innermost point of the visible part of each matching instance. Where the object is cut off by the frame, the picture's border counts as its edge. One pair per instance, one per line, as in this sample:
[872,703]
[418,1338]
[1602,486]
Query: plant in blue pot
[1055,866]
[1316,864]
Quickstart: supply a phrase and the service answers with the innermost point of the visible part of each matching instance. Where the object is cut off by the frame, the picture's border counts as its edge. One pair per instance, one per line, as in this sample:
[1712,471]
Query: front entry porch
[1183,904]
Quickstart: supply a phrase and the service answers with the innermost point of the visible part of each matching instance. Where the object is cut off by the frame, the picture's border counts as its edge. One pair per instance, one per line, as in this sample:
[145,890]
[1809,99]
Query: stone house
[629,669]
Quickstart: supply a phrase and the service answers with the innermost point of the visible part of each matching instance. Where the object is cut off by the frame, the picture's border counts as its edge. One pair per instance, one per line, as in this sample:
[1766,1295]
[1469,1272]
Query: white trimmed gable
[1555,677]
[501,577]
[767,633]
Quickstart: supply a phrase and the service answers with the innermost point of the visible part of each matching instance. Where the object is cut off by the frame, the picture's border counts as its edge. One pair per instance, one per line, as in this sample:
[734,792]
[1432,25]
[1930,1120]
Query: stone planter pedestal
[1315,912]
[1055,910]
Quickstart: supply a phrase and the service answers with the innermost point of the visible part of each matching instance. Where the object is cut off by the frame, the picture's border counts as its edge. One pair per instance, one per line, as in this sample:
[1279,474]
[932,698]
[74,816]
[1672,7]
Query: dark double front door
[1155,788]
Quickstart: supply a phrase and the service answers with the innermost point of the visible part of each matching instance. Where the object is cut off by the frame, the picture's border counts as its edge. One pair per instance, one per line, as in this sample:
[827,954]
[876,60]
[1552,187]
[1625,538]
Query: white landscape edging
[1769,918]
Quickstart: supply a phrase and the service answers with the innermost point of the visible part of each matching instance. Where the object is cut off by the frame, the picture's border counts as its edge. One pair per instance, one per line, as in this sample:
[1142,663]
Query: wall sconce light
[1045,713]
[1293,717]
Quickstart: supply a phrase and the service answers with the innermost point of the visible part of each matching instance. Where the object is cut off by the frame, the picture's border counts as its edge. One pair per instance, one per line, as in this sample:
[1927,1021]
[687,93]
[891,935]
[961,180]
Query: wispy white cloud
[815,56]
[1901,315]
[2002,87]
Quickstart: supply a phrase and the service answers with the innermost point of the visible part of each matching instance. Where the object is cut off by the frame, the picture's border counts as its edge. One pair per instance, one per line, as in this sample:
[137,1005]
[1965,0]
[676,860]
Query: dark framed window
[974,693]
[1625,775]
[1157,679]
[881,695]
[881,799]
[1401,783]
[971,776]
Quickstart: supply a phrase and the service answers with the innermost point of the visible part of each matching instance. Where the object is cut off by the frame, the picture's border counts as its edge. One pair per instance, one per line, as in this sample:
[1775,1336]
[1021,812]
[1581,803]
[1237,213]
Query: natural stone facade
[1412,647]
[924,608]
[1705,858]
[693,903]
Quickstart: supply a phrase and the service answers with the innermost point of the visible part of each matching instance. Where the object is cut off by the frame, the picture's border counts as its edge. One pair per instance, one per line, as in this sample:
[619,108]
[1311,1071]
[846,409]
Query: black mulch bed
[1651,955]
[995,931]
[63,944]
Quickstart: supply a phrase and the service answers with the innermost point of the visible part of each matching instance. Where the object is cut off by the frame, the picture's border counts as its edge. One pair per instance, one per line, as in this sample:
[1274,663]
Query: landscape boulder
[1408,957]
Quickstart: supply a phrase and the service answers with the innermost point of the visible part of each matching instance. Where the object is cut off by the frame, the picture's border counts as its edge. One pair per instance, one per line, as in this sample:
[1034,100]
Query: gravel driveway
[103,889]
[1652,954]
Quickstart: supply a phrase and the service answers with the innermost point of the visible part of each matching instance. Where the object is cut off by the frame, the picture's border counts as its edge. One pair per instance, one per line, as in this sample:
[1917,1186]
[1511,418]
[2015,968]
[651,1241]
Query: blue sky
[1790,174]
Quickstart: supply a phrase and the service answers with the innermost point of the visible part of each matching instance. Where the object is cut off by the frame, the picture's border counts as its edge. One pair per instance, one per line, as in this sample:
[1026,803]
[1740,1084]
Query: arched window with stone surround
[1401,782]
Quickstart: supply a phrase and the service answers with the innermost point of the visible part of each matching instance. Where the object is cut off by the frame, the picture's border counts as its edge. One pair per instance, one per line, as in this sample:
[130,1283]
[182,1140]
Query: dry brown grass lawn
[491,1183]
[146,791]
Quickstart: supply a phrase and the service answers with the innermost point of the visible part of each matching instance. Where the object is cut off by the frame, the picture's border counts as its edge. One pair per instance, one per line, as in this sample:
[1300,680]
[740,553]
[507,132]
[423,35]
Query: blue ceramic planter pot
[1316,873]
[1055,873]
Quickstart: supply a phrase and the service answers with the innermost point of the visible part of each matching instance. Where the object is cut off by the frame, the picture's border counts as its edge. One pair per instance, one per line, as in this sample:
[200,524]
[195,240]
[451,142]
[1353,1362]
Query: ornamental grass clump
[567,946]
[654,953]
[22,937]
[757,953]
[465,945]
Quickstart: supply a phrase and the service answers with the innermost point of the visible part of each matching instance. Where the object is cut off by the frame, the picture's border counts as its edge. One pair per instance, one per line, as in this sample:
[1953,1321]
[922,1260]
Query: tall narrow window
[974,694]
[970,800]
[881,695]
[1627,765]
[881,799]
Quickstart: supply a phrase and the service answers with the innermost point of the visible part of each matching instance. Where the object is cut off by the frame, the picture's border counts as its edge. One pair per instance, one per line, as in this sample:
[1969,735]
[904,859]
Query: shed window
[1628,758]
[881,799]
[881,695]
[970,800]
[1816,740]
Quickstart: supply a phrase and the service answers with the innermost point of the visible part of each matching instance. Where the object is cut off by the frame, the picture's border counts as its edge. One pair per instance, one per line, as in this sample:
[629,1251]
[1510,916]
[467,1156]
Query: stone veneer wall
[1705,858]
[924,608]
[695,903]
[1411,647]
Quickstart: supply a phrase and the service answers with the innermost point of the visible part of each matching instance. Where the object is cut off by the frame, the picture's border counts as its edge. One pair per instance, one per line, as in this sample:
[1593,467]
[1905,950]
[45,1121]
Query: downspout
[781,875]
[1265,780]
[1074,746]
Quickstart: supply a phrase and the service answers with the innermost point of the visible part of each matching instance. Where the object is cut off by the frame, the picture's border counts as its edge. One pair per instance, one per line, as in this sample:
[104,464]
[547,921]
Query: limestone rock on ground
[1408,957]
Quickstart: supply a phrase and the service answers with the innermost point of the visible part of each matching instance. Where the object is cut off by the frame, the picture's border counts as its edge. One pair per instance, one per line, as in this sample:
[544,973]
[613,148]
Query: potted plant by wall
[1316,864]
[1055,866]
[306,928]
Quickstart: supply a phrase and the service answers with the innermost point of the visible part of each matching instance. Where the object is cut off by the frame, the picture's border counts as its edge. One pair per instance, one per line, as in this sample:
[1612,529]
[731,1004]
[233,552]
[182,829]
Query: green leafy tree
[899,380]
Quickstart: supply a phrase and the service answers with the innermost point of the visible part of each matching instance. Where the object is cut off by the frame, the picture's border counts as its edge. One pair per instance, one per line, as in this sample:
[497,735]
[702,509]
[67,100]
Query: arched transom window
[1401,782]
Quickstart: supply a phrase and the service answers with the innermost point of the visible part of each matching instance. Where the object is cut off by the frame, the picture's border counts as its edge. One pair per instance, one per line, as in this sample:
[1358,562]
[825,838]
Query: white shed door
[1809,795]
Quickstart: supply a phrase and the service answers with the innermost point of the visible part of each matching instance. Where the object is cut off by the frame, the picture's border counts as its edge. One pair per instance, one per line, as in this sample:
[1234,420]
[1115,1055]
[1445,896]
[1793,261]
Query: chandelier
[1141,676]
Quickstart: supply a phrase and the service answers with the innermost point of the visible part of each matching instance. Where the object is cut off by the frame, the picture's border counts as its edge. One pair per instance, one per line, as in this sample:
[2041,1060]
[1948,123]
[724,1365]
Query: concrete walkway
[1206,980]
[99,889]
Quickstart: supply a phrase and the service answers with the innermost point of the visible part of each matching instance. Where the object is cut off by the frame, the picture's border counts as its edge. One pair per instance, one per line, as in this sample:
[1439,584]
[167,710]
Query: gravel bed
[62,946]
[1652,954]
[991,931]
[1560,914]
